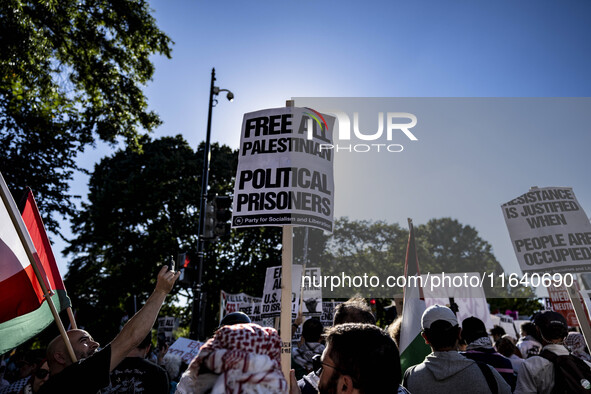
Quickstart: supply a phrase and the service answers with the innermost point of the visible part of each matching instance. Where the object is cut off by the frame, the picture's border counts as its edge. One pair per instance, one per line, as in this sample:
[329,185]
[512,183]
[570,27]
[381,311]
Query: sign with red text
[549,231]
[560,303]
[240,302]
[185,348]
[285,169]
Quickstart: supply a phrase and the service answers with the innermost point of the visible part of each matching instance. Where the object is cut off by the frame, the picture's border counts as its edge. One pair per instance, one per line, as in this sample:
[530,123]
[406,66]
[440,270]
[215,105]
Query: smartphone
[170,264]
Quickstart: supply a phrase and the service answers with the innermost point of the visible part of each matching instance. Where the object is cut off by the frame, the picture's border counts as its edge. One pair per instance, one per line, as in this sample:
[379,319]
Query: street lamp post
[199,296]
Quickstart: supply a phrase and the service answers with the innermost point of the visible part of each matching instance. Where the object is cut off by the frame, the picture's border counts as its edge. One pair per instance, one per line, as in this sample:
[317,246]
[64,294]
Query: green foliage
[142,210]
[70,71]
[443,245]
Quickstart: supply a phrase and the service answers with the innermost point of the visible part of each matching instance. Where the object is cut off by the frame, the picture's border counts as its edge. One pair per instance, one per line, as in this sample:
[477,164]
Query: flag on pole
[413,348]
[23,309]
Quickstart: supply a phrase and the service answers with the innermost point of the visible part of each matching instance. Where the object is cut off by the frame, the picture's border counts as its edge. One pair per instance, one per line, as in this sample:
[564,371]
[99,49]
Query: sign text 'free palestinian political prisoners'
[549,230]
[285,169]
[271,306]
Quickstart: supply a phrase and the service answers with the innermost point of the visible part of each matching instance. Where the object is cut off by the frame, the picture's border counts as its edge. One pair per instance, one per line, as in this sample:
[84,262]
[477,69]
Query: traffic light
[187,271]
[209,221]
[222,216]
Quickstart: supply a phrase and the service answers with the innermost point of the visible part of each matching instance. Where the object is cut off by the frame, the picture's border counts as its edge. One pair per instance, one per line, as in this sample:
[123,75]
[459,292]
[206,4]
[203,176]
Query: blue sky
[269,51]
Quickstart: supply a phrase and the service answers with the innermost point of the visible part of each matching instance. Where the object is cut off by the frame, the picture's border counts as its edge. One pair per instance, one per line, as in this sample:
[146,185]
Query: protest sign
[560,303]
[328,309]
[240,302]
[311,294]
[165,327]
[471,300]
[549,231]
[185,348]
[285,169]
[271,305]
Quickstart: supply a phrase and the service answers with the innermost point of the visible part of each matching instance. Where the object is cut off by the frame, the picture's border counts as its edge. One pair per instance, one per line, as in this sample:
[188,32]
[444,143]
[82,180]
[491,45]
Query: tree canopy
[142,210]
[71,71]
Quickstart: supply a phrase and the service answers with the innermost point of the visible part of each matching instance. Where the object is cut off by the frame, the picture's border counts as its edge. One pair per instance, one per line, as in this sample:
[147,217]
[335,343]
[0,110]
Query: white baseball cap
[438,312]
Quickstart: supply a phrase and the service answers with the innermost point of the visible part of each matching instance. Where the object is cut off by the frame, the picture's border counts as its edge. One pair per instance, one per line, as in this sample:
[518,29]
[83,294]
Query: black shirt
[87,376]
[138,375]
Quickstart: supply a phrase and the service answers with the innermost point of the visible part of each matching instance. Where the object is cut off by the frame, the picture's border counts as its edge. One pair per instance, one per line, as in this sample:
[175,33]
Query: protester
[506,347]
[241,358]
[309,345]
[354,310]
[360,358]
[91,372]
[172,364]
[136,374]
[394,329]
[537,374]
[528,344]
[445,370]
[30,384]
[235,318]
[497,333]
[479,348]
[575,342]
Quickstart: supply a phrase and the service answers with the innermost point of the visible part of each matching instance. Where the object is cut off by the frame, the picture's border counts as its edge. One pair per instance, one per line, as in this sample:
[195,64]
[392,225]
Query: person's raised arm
[141,323]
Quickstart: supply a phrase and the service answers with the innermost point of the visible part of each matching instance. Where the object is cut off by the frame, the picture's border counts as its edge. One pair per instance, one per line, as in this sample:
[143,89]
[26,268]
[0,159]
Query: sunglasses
[41,373]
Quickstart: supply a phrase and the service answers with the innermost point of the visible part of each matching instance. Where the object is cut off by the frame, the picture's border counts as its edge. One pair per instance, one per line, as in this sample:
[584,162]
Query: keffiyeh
[246,358]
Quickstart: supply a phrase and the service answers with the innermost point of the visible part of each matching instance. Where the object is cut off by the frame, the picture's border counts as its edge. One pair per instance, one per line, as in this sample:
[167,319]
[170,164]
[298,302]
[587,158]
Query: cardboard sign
[560,303]
[285,169]
[549,231]
[165,327]
[328,309]
[311,294]
[185,348]
[240,302]
[271,306]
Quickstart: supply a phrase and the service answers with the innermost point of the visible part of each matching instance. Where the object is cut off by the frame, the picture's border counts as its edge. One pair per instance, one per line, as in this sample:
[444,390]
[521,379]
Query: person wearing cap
[528,343]
[479,348]
[445,370]
[537,373]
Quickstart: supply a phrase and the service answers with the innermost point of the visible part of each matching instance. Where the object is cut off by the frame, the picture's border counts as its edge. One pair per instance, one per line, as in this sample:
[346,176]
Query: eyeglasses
[318,364]
[41,373]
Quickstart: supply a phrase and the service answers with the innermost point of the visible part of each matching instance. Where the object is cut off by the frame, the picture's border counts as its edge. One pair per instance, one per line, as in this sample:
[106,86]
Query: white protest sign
[312,292]
[285,169]
[165,327]
[185,348]
[549,231]
[328,309]
[471,300]
[241,302]
[271,305]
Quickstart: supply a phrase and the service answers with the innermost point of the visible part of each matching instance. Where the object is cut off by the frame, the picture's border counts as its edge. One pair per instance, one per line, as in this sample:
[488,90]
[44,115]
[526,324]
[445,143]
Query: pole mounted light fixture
[199,296]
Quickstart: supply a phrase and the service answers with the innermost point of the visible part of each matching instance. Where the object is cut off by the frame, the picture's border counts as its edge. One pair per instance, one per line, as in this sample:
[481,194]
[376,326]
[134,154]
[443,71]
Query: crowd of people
[354,355]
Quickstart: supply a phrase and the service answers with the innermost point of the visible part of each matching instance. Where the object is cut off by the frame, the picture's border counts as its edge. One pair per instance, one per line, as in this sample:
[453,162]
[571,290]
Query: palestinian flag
[413,348]
[23,242]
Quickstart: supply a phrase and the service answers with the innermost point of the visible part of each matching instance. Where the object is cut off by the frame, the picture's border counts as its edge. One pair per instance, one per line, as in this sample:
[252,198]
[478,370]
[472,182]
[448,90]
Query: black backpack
[571,374]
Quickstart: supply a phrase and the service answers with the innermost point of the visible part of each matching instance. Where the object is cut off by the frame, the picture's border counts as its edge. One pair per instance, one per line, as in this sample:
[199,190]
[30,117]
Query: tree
[142,210]
[70,71]
[379,248]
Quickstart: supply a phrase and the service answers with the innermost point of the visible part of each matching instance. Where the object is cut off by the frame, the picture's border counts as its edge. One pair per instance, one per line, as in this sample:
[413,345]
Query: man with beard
[359,358]
[91,372]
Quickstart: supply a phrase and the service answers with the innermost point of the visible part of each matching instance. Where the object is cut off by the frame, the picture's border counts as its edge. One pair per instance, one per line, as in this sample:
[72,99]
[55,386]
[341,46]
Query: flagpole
[12,209]
[72,318]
